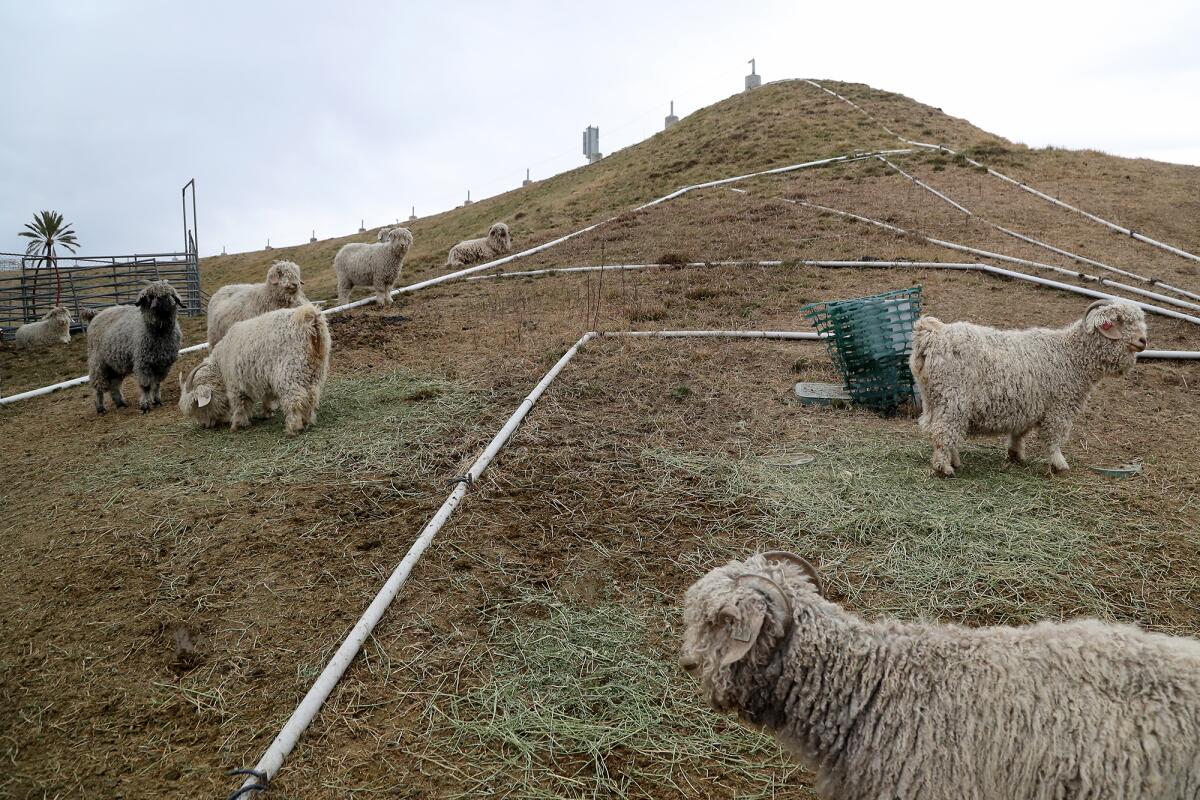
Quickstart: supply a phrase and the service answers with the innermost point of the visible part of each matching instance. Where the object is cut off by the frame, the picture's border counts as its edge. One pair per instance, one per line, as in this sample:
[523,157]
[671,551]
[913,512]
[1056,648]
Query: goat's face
[737,609]
[202,395]
[400,238]
[61,316]
[284,277]
[499,238]
[1120,328]
[158,302]
[383,233]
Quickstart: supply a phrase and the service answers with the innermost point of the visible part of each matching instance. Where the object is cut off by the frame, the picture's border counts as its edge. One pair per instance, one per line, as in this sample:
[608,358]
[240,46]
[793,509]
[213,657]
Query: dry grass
[170,593]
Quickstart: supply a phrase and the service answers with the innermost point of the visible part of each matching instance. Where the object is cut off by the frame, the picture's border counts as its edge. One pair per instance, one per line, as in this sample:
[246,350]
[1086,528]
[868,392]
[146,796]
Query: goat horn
[772,589]
[1095,305]
[802,563]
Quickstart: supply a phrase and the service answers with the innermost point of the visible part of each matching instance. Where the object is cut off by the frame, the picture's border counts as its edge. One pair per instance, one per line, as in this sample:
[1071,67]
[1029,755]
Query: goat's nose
[688,662]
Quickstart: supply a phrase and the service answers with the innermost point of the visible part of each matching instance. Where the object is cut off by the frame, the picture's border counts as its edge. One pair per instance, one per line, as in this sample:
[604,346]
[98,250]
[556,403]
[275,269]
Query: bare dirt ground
[639,469]
[168,593]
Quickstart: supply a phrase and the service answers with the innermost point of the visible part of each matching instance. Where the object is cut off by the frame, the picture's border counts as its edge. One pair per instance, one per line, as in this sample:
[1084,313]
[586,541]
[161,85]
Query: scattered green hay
[681,393]
[580,703]
[997,544]
[377,425]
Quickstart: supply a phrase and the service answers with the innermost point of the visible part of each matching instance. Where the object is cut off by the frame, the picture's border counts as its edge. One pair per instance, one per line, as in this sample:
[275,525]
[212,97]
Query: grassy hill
[780,123]
[169,592]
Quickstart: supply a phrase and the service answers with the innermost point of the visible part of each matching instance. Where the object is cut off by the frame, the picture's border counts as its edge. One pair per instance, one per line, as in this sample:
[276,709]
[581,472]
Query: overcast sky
[295,116]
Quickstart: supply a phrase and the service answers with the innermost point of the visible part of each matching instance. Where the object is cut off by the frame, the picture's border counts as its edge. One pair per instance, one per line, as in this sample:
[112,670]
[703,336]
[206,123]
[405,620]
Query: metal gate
[94,282]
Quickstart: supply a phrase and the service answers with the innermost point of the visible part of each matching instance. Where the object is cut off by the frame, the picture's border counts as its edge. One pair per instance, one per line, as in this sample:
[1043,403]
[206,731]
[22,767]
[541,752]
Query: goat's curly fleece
[924,711]
[238,301]
[496,243]
[278,358]
[142,339]
[54,326]
[376,265]
[976,379]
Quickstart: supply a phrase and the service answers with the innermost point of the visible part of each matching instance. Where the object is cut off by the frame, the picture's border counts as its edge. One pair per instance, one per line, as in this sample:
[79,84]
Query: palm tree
[47,231]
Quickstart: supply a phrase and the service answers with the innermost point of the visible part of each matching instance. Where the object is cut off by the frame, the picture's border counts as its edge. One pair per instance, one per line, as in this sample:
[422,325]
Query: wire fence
[91,282]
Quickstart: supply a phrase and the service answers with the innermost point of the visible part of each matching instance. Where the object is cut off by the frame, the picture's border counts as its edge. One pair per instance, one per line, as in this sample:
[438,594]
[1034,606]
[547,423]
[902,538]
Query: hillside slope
[170,592]
[781,123]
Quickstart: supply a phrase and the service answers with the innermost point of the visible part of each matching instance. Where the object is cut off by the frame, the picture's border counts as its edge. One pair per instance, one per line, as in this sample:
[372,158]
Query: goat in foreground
[929,711]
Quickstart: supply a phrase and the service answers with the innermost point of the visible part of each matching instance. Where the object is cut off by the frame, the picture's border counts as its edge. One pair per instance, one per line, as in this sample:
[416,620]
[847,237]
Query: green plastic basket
[869,339]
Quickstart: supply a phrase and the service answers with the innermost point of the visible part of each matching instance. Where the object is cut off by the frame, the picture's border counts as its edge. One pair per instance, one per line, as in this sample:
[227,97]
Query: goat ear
[1110,329]
[203,396]
[741,625]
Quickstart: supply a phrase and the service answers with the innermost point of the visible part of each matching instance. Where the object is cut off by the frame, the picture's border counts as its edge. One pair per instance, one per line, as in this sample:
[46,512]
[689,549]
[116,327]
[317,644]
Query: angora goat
[976,379]
[496,243]
[142,339]
[54,326]
[926,711]
[280,358]
[239,301]
[375,265]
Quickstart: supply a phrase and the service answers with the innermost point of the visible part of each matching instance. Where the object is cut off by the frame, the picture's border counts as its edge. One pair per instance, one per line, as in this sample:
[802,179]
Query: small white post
[753,80]
[671,118]
[526,182]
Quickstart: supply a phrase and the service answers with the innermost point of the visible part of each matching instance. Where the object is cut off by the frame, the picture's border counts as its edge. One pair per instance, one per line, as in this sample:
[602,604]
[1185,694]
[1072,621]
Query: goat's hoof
[944,472]
[100,411]
[1015,457]
[1056,470]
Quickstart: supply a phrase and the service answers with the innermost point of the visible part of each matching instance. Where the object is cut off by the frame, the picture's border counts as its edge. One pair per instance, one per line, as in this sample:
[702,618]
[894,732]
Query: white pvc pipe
[500,261]
[1020,184]
[316,696]
[694,264]
[926,186]
[783,335]
[272,759]
[962,266]
[622,267]
[1166,312]
[1110,225]
[1066,253]
[1173,354]
[776,171]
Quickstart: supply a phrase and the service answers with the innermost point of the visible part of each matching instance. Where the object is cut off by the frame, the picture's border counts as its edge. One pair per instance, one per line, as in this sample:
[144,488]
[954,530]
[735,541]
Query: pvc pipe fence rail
[1166,312]
[962,266]
[1066,253]
[271,761]
[1019,184]
[67,384]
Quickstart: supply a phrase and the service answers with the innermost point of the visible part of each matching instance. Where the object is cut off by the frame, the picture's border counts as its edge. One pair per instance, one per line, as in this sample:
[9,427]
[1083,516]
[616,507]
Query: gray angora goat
[928,711]
[976,379]
[142,339]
